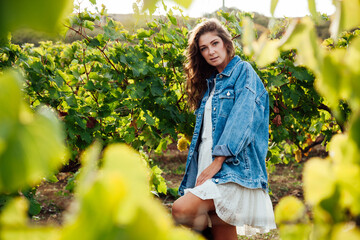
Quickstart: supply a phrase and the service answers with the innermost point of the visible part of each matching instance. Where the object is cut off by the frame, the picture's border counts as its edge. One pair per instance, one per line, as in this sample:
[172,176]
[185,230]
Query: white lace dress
[250,210]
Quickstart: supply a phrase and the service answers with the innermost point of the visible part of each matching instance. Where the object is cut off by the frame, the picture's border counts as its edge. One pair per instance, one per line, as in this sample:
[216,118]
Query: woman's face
[213,49]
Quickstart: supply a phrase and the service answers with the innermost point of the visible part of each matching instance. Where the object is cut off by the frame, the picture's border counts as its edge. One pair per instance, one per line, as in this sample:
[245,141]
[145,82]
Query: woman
[225,182]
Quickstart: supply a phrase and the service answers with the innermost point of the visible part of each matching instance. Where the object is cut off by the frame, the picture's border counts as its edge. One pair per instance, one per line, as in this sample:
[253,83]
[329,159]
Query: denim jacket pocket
[241,159]
[226,99]
[243,165]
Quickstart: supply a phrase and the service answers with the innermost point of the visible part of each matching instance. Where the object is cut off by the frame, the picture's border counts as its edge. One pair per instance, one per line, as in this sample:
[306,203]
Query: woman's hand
[211,170]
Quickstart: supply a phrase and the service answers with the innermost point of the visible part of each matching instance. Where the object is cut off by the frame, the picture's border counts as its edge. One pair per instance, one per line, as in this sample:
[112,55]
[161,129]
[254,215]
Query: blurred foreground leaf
[31,144]
[118,193]
[41,15]
[14,224]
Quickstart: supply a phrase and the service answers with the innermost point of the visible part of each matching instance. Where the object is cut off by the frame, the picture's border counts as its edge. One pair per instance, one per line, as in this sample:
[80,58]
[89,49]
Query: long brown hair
[196,68]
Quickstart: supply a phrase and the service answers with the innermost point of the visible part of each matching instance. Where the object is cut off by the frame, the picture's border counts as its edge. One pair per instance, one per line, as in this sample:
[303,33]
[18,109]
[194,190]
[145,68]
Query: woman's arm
[211,170]
[247,114]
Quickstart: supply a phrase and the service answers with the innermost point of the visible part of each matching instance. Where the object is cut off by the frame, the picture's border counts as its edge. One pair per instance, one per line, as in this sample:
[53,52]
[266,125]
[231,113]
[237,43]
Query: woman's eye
[215,43]
[202,49]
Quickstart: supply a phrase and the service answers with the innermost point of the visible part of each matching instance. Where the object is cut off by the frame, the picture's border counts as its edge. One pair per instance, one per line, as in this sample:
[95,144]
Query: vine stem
[100,49]
[236,36]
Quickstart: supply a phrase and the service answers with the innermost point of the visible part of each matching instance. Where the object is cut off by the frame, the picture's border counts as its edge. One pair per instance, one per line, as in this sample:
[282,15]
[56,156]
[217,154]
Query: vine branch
[101,50]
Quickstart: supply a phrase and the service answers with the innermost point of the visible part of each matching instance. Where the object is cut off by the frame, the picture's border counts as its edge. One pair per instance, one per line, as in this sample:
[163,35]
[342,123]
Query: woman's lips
[214,59]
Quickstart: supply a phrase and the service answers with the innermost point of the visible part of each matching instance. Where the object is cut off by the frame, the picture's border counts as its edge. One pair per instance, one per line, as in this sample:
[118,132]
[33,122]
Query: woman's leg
[220,229]
[192,211]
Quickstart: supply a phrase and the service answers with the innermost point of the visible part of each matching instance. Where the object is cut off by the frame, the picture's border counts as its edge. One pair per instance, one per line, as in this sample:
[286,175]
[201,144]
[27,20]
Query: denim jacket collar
[226,72]
[229,68]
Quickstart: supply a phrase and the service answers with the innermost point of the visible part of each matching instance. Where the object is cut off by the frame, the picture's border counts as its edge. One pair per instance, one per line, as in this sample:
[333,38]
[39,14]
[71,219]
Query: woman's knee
[179,211]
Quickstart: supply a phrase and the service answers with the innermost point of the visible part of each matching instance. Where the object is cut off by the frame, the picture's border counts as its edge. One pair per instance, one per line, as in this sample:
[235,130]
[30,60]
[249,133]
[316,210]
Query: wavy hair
[196,68]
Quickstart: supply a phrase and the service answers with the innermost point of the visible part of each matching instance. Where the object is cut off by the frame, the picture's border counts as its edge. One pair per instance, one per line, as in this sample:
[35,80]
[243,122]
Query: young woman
[225,183]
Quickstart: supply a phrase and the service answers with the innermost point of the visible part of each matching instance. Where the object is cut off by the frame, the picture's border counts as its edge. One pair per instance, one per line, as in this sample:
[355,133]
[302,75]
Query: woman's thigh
[192,206]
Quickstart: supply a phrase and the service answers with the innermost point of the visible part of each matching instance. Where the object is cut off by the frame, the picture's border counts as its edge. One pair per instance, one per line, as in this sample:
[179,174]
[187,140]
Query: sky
[285,8]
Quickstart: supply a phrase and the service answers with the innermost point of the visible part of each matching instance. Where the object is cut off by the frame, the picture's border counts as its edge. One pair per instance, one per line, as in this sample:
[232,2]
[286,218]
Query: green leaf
[39,15]
[89,25]
[34,207]
[342,231]
[149,119]
[86,137]
[278,80]
[302,74]
[352,74]
[14,213]
[344,149]
[130,135]
[330,81]
[162,146]
[273,6]
[81,122]
[162,187]
[249,36]
[298,231]
[9,92]
[355,128]
[71,101]
[289,209]
[93,2]
[156,88]
[184,3]
[346,16]
[149,5]
[164,5]
[52,178]
[319,181]
[267,53]
[14,223]
[84,178]
[141,33]
[89,86]
[118,194]
[59,81]
[173,192]
[295,97]
[301,35]
[312,8]
[172,19]
[94,42]
[32,144]
[158,181]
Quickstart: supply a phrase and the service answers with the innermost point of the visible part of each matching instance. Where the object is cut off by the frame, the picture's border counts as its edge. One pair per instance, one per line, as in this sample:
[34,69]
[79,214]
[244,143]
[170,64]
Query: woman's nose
[211,51]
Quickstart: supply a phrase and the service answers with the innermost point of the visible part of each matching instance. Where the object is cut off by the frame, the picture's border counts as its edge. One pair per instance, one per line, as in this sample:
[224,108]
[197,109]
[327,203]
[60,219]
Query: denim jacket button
[221,76]
[228,94]
[216,180]
[214,108]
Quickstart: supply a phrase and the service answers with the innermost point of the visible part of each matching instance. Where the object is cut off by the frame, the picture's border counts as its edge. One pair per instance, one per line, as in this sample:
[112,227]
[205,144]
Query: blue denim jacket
[240,120]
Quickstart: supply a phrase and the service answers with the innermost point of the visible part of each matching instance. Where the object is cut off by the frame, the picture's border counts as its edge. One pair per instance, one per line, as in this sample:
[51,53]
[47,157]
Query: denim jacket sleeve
[246,114]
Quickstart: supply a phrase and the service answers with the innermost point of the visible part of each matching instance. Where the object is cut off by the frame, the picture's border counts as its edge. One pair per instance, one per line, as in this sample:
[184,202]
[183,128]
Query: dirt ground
[54,198]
